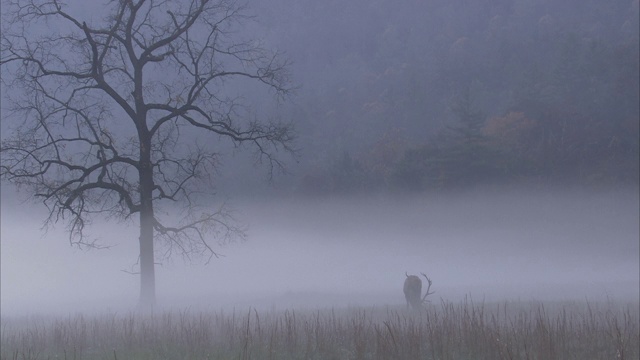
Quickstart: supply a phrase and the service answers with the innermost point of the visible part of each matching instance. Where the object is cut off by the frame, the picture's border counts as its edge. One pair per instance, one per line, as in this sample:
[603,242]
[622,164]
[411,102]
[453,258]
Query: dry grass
[509,330]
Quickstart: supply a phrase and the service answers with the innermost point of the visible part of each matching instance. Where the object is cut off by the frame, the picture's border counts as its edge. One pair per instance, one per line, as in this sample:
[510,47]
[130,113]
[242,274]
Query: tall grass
[465,330]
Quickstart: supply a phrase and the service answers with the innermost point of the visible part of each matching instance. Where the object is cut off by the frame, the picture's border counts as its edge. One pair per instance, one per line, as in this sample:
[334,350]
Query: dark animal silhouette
[413,291]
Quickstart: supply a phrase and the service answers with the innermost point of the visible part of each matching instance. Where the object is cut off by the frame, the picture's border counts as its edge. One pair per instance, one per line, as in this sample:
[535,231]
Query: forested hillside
[445,93]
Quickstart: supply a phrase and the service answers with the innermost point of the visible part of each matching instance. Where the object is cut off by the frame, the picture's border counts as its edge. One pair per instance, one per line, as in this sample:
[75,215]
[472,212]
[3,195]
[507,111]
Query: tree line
[445,94]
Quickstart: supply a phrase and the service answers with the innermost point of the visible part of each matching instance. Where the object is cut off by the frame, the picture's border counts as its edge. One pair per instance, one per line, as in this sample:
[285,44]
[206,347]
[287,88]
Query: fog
[492,145]
[337,252]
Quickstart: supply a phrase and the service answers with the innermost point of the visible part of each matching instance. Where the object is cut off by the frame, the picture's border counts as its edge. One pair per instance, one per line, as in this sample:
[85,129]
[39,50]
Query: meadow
[444,330]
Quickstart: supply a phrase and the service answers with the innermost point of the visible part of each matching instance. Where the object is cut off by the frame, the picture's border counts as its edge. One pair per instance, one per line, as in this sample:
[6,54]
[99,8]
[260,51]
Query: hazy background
[490,144]
[493,245]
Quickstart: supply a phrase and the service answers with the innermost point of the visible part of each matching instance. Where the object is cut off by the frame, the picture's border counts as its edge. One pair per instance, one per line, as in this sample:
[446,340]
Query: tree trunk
[147,265]
[147,270]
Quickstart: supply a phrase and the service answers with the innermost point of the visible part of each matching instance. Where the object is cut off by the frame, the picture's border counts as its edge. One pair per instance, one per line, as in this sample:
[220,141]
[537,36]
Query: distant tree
[513,136]
[420,168]
[346,174]
[382,156]
[468,127]
[116,117]
[468,158]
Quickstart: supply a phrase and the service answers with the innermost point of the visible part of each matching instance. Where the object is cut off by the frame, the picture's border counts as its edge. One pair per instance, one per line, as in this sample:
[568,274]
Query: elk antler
[427,293]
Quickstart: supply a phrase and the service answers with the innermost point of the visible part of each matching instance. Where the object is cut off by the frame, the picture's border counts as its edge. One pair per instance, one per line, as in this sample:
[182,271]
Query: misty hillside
[418,95]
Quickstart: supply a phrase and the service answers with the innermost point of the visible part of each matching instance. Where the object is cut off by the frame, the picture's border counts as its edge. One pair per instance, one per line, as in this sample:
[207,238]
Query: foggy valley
[491,245]
[264,177]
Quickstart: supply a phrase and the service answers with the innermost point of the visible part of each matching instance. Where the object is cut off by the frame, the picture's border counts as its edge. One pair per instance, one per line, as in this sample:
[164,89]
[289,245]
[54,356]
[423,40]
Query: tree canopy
[120,116]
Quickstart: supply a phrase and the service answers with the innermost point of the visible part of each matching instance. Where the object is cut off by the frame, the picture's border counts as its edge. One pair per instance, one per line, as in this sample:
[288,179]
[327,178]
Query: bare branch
[114,112]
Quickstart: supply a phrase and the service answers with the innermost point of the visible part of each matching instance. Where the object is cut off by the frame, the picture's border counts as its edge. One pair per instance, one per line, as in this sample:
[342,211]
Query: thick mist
[490,245]
[416,125]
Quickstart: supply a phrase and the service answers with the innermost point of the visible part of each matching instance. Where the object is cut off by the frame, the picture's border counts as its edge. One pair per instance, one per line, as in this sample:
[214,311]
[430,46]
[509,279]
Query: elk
[413,291]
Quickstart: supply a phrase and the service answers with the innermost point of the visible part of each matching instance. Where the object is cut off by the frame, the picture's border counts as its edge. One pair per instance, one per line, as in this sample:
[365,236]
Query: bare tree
[117,117]
[413,290]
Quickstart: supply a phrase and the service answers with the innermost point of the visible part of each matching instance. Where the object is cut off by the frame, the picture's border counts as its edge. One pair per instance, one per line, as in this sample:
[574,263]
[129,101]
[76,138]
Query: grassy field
[464,330]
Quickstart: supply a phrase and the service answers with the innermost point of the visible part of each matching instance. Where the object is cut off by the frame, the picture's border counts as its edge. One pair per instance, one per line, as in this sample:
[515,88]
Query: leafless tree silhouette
[116,117]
